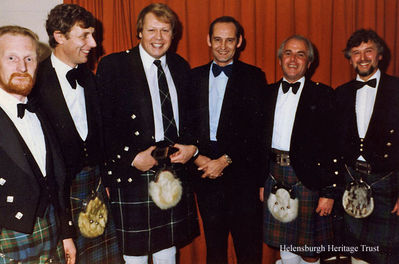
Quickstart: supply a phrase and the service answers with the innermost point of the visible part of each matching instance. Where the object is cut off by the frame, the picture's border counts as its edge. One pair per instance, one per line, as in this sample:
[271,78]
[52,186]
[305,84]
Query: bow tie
[216,69]
[22,107]
[372,83]
[74,75]
[286,86]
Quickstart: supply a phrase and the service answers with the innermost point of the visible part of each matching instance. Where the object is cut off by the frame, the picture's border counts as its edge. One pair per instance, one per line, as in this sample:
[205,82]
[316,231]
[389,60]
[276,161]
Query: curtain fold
[327,23]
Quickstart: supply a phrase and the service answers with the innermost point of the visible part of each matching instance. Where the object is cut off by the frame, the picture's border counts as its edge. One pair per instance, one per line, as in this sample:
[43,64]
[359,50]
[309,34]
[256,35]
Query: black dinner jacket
[127,110]
[237,135]
[381,144]
[312,152]
[19,181]
[49,95]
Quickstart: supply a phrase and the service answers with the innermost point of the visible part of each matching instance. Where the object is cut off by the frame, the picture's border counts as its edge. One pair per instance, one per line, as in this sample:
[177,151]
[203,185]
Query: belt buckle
[283,159]
[363,168]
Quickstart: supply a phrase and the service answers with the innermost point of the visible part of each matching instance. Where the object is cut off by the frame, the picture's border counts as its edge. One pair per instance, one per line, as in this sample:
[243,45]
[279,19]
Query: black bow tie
[286,86]
[74,75]
[372,83]
[216,69]
[22,107]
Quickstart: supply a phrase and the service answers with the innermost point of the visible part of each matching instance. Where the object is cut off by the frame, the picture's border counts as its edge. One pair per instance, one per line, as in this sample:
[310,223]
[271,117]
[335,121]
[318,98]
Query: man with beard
[368,138]
[66,89]
[32,192]
[145,105]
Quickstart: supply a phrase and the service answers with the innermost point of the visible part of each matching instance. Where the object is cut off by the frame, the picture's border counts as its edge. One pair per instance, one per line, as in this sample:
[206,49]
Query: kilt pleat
[376,236]
[142,227]
[308,229]
[103,249]
[42,246]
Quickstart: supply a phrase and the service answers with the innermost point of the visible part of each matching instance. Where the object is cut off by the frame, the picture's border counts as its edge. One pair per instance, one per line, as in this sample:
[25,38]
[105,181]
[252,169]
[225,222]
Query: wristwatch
[228,159]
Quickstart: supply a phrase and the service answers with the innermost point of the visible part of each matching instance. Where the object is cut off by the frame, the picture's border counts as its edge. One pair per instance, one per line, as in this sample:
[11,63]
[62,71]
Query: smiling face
[224,42]
[365,59]
[294,60]
[18,62]
[156,36]
[74,47]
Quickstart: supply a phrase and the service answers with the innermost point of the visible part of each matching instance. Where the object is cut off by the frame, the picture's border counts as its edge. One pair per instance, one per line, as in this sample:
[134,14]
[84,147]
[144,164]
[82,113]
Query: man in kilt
[298,131]
[368,138]
[66,89]
[34,210]
[145,103]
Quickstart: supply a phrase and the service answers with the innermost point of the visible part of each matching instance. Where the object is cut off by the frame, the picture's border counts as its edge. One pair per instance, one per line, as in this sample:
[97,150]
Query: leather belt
[362,167]
[281,157]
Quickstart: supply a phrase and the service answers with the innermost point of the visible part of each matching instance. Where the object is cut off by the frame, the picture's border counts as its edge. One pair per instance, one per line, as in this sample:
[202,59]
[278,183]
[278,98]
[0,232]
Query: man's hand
[214,168]
[201,160]
[70,251]
[144,161]
[325,206]
[396,208]
[261,193]
[184,153]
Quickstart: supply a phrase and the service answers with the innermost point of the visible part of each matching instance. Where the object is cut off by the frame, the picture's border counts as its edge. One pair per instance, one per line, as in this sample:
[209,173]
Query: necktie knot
[372,83]
[22,107]
[73,76]
[286,86]
[158,63]
[216,69]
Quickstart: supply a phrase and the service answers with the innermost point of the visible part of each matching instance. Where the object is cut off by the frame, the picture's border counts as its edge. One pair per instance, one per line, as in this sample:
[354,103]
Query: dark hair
[360,36]
[161,11]
[307,42]
[63,17]
[17,30]
[226,19]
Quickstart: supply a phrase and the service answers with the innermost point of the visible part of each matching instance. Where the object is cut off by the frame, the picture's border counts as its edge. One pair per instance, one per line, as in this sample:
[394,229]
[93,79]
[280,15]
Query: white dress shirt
[29,128]
[284,116]
[365,99]
[74,98]
[151,73]
[217,89]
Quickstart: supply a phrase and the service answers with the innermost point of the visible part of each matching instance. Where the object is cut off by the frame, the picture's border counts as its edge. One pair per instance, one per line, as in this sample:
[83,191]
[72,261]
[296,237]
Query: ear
[140,35]
[380,57]
[59,37]
[208,40]
[239,42]
[309,65]
[279,61]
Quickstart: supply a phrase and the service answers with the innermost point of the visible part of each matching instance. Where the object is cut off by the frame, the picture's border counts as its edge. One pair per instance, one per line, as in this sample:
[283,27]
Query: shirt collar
[148,60]
[61,67]
[9,103]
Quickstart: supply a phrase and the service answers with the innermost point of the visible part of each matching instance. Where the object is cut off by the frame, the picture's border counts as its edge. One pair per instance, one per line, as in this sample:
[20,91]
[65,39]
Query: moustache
[20,75]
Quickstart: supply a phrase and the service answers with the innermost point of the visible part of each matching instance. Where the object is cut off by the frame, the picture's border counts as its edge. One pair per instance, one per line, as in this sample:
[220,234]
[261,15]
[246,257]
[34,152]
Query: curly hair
[360,36]
[63,17]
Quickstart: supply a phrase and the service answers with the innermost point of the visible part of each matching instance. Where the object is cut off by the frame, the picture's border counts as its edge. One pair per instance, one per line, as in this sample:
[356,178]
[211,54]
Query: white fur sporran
[357,199]
[166,190]
[281,206]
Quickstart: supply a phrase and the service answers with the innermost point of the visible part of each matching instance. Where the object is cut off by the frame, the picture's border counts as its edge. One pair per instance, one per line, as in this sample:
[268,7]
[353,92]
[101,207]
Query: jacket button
[336,172]
[2,181]
[133,116]
[109,172]
[10,199]
[385,155]
[118,180]
[136,133]
[334,185]
[129,180]
[118,156]
[391,131]
[361,149]
[19,215]
[70,223]
[335,160]
[361,145]
[389,144]
[126,148]
[362,139]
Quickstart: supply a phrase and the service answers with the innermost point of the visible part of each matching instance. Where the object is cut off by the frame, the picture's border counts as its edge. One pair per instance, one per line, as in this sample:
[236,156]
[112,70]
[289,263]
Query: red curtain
[327,23]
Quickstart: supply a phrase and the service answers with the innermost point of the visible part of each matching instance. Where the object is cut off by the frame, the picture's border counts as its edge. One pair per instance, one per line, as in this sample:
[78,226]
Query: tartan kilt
[42,246]
[142,227]
[103,249]
[381,228]
[308,229]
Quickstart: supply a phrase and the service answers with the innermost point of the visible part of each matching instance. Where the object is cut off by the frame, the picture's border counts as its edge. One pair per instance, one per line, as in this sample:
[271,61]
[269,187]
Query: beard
[365,73]
[19,83]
